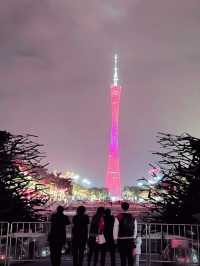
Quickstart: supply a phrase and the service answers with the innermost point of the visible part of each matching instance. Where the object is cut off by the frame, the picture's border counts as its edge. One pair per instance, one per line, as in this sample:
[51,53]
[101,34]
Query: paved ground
[68,262]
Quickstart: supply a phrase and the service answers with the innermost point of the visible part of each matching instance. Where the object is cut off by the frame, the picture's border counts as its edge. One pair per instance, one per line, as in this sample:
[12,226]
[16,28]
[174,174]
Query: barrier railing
[174,243]
[178,243]
[28,241]
[4,231]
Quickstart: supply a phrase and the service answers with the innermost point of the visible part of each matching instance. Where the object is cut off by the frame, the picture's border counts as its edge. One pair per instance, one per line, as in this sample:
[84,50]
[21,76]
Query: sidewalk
[68,262]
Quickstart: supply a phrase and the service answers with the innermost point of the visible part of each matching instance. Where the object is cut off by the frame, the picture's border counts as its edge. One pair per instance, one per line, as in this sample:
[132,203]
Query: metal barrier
[28,241]
[177,243]
[4,230]
[143,232]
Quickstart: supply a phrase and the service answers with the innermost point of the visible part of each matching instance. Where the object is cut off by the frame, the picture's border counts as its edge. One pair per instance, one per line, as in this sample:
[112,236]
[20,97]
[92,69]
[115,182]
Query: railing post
[4,232]
[9,243]
[149,245]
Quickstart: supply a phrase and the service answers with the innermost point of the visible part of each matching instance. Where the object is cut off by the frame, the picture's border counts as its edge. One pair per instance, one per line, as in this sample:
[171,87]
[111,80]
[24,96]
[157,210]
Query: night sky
[56,61]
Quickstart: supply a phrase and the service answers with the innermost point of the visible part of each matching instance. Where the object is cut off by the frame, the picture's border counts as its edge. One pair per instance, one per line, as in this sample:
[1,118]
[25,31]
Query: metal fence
[4,233]
[178,243]
[28,241]
[174,243]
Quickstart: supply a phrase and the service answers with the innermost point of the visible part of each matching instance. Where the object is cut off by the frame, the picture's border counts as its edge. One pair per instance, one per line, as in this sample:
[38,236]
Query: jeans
[109,247]
[55,253]
[78,254]
[94,250]
[126,251]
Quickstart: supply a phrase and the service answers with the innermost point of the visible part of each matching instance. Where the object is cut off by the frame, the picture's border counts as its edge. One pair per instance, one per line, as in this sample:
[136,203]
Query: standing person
[96,228]
[79,235]
[108,233]
[125,232]
[57,235]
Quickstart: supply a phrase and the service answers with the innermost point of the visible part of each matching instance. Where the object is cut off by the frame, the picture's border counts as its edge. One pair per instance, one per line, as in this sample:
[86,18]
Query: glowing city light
[113,198]
[152,182]
[154,175]
[75,177]
[113,180]
[140,184]
[115,76]
[86,181]
[154,171]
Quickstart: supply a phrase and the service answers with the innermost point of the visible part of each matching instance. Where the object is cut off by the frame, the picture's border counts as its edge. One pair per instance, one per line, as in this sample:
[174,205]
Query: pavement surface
[68,262]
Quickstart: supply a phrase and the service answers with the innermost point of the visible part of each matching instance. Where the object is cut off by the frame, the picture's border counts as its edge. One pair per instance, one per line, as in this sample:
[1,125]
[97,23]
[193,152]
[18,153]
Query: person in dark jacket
[125,232]
[108,234]
[57,235]
[96,228]
[79,235]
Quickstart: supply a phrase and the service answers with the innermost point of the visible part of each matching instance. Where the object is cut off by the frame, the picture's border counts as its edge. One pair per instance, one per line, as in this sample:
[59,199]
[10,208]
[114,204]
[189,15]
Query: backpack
[126,225]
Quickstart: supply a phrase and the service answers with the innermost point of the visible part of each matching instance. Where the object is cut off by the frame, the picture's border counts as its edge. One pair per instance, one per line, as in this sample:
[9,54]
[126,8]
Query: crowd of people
[106,234]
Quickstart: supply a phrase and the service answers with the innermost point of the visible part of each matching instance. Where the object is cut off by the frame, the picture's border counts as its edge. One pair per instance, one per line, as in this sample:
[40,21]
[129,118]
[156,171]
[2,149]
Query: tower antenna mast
[115,74]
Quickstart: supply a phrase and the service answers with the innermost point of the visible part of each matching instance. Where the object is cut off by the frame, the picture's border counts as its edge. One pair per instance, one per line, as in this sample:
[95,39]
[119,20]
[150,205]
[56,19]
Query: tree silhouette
[175,198]
[20,159]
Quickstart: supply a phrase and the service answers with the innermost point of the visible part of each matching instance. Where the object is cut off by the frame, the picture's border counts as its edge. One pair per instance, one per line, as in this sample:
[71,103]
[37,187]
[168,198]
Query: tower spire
[115,73]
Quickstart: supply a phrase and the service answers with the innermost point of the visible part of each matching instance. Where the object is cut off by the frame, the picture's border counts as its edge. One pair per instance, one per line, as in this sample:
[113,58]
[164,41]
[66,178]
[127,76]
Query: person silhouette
[79,235]
[96,228]
[108,233]
[57,235]
[125,232]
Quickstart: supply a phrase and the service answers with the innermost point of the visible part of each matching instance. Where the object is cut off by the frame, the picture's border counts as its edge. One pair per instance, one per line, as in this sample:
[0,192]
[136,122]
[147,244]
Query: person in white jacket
[125,233]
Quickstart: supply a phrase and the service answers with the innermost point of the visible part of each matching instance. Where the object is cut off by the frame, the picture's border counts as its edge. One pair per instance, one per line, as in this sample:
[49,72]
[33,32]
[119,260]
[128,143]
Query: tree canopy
[175,198]
[20,159]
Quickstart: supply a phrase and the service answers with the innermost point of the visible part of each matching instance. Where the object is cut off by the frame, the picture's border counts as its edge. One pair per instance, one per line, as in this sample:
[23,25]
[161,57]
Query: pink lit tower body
[113,180]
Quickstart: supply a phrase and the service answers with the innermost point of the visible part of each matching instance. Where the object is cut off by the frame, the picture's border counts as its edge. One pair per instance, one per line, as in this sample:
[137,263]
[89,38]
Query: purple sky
[56,71]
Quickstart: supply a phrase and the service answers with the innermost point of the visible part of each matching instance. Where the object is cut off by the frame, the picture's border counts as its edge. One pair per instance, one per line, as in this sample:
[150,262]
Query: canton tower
[113,180]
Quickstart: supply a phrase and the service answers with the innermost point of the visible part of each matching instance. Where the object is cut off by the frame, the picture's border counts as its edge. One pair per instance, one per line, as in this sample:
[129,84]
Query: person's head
[107,212]
[125,206]
[60,209]
[100,211]
[80,210]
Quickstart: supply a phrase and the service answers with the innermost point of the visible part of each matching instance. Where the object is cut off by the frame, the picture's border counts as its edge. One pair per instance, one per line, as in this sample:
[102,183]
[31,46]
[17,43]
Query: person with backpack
[125,233]
[79,235]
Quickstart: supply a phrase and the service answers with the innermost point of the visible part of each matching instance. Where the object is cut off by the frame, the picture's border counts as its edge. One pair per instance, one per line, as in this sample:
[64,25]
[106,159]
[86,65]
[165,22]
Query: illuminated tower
[113,181]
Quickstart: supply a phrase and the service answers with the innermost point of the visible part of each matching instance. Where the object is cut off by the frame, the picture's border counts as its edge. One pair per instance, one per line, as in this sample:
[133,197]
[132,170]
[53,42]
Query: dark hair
[107,212]
[80,210]
[125,206]
[60,209]
[100,211]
